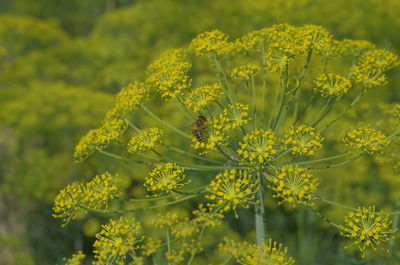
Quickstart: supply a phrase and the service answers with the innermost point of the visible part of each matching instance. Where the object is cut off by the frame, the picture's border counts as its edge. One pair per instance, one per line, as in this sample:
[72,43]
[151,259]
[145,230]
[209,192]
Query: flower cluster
[245,72]
[231,189]
[367,140]
[250,42]
[234,116]
[267,253]
[215,42]
[168,58]
[171,80]
[258,147]
[100,138]
[206,217]
[332,85]
[116,240]
[145,140]
[202,96]
[367,228]
[165,178]
[302,140]
[314,37]
[128,99]
[72,201]
[356,48]
[214,136]
[294,185]
[76,259]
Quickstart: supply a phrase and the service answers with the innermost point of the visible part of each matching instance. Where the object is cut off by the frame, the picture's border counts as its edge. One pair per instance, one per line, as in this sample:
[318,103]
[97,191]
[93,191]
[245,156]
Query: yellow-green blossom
[231,189]
[314,37]
[128,99]
[202,96]
[210,42]
[267,253]
[368,77]
[100,138]
[302,140]
[145,140]
[205,216]
[245,72]
[258,147]
[117,240]
[171,81]
[184,228]
[378,59]
[356,47]
[294,185]
[367,229]
[167,59]
[76,259]
[67,204]
[367,140]
[165,178]
[234,116]
[101,189]
[332,85]
[214,136]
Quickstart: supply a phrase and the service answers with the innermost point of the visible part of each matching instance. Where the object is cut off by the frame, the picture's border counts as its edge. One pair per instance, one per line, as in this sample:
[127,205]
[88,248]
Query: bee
[199,129]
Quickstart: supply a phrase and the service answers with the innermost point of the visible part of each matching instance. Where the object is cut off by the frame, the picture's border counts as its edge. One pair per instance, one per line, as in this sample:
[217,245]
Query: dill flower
[76,259]
[172,80]
[235,248]
[166,59]
[258,147]
[396,111]
[267,253]
[332,85]
[206,217]
[249,42]
[67,204]
[356,47]
[367,229]
[166,220]
[245,72]
[145,140]
[150,246]
[184,228]
[128,99]
[99,138]
[314,37]
[294,185]
[202,96]
[367,140]
[234,116]
[214,136]
[101,189]
[378,59]
[210,42]
[165,178]
[302,140]
[231,189]
[116,240]
[368,77]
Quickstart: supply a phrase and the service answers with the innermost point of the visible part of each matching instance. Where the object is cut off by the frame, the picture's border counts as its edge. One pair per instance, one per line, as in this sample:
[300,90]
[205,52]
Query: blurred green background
[62,61]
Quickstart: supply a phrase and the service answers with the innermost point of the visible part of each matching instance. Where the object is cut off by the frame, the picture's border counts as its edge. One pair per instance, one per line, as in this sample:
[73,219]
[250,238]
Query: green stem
[319,160]
[254,103]
[329,124]
[154,116]
[223,78]
[296,116]
[193,155]
[339,164]
[264,81]
[126,159]
[325,110]
[284,83]
[259,213]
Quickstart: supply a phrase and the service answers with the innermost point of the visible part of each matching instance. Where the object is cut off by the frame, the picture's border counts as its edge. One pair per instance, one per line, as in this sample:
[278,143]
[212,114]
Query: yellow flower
[171,81]
[167,59]
[165,178]
[231,189]
[367,229]
[128,99]
[368,77]
[202,96]
[214,135]
[76,259]
[258,147]
[166,220]
[332,85]
[234,116]
[267,253]
[145,140]
[99,138]
[245,72]
[150,246]
[378,59]
[356,47]
[206,217]
[117,240]
[366,140]
[184,228]
[68,201]
[101,189]
[302,140]
[314,37]
[294,185]
[250,42]
[210,42]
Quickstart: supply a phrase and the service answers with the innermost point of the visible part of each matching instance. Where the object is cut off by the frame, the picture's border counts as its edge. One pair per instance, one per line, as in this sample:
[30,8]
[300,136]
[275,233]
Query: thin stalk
[296,116]
[329,124]
[339,164]
[125,159]
[259,213]
[322,159]
[253,86]
[264,81]
[325,110]
[193,155]
[223,78]
[284,83]
[154,116]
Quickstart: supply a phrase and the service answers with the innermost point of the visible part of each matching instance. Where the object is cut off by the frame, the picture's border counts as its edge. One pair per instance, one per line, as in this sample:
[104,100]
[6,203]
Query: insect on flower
[199,129]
